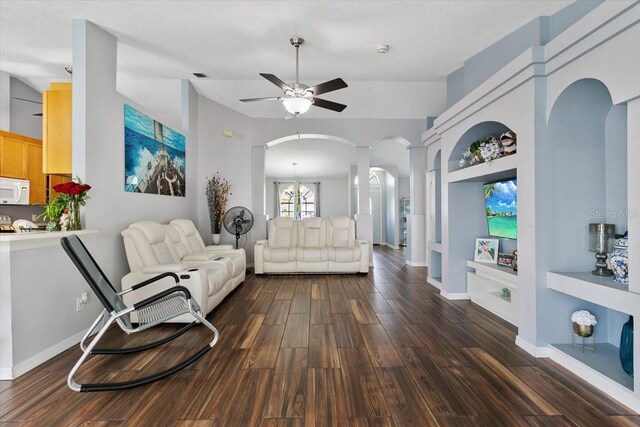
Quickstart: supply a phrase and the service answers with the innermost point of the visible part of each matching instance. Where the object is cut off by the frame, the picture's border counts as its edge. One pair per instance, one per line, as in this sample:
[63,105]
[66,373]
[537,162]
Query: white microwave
[14,191]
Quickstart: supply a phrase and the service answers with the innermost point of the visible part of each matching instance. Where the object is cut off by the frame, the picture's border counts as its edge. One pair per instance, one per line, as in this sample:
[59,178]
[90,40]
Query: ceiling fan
[298,97]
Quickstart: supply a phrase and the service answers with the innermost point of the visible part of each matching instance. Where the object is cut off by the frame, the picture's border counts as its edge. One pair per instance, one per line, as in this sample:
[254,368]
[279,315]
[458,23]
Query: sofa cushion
[345,254]
[279,254]
[312,233]
[156,236]
[191,235]
[312,254]
[341,232]
[282,233]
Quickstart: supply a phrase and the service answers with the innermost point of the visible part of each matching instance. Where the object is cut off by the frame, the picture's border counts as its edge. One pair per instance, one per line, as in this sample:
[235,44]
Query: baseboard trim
[595,378]
[415,264]
[455,296]
[538,352]
[40,358]
[391,246]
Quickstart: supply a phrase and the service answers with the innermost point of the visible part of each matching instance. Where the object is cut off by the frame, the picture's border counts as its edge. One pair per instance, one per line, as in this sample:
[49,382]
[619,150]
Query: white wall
[22,120]
[5,100]
[231,157]
[98,151]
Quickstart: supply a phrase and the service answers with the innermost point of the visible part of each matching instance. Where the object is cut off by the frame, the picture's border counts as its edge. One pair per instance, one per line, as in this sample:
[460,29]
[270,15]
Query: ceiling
[323,158]
[161,41]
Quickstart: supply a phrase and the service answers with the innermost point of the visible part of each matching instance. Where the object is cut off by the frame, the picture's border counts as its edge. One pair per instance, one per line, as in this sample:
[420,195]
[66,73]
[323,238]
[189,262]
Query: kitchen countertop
[37,239]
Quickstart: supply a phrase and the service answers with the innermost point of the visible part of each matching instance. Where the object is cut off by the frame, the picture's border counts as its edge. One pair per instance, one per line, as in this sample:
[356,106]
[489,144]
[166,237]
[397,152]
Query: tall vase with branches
[218,191]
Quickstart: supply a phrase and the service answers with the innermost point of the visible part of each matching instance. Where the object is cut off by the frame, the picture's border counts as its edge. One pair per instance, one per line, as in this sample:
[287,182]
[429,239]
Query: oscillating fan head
[238,221]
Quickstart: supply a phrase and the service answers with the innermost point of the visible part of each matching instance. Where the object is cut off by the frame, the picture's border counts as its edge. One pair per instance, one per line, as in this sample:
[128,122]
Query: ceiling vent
[200,75]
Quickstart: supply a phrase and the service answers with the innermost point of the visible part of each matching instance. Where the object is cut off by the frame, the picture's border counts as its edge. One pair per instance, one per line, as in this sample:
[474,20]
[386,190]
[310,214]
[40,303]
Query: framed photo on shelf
[505,260]
[486,251]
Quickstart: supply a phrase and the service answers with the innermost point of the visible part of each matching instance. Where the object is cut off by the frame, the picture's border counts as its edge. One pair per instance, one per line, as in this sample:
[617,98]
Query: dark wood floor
[377,350]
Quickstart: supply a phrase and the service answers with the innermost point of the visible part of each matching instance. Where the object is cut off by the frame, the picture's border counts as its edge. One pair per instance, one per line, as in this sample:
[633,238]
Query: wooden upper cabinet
[13,156]
[37,180]
[21,158]
[56,129]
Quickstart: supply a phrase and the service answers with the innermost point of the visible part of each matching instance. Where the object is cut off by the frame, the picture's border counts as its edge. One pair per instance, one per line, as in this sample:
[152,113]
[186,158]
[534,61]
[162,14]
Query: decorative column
[364,219]
[416,242]
[258,193]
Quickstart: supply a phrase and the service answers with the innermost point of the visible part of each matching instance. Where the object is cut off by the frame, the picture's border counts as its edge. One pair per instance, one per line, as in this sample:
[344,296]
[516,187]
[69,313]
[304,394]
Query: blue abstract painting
[154,156]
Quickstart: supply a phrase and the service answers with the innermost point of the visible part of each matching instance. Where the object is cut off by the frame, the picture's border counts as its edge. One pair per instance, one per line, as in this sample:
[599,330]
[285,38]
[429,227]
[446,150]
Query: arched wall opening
[584,181]
[322,165]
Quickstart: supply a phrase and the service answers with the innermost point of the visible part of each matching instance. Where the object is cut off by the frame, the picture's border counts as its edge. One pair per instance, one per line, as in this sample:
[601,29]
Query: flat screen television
[501,206]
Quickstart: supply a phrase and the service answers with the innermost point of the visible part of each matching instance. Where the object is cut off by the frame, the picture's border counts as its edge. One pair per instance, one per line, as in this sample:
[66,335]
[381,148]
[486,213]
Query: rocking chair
[151,311]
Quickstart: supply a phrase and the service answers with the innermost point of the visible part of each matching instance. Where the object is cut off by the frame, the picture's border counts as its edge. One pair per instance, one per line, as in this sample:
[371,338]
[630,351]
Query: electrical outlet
[80,303]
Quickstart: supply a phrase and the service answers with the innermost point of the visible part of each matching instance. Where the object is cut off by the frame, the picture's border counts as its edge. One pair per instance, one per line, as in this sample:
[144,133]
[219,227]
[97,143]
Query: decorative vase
[626,347]
[74,215]
[216,238]
[619,260]
[583,330]
[53,226]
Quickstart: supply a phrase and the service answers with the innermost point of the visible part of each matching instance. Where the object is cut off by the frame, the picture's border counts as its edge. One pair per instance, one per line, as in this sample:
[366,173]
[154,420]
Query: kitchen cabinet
[21,158]
[37,180]
[13,156]
[53,180]
[56,129]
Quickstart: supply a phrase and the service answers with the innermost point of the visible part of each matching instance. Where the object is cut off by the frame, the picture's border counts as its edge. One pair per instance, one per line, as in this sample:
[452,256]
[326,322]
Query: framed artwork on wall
[486,250]
[154,156]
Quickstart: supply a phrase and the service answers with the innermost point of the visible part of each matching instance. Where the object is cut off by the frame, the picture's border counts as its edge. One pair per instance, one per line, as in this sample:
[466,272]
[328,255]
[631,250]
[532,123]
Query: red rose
[86,187]
[77,189]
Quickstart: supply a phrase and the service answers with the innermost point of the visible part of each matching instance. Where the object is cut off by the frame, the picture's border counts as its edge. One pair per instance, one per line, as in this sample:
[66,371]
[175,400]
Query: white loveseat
[210,273]
[311,245]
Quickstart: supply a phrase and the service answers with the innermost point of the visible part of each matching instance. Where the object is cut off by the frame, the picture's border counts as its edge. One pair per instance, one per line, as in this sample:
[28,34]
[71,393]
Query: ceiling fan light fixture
[297,105]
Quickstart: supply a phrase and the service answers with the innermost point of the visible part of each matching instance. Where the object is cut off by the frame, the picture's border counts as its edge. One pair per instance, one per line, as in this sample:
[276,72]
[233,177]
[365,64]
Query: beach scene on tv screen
[501,203]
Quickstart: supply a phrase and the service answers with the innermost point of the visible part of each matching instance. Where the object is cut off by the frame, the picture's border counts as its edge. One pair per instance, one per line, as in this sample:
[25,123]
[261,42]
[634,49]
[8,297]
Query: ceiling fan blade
[329,86]
[270,98]
[276,81]
[329,105]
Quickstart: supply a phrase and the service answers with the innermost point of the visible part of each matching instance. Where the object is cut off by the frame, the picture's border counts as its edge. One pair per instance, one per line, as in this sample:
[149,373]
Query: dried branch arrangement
[217,194]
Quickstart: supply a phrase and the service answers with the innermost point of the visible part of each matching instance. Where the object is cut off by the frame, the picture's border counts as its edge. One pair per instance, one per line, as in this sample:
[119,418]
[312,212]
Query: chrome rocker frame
[152,311]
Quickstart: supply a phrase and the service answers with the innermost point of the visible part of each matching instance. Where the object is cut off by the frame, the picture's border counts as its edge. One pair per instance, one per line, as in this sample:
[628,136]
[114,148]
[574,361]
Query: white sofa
[311,245]
[153,248]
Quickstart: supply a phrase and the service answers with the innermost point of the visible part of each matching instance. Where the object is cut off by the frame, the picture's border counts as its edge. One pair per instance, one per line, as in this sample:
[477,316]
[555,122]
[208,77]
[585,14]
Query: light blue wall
[487,62]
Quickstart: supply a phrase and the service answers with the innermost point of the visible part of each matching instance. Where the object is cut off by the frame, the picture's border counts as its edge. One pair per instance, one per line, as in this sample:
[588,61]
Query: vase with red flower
[75,195]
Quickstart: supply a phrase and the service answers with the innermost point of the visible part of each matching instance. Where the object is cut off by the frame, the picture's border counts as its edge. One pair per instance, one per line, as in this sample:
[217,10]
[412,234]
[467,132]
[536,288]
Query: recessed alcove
[585,161]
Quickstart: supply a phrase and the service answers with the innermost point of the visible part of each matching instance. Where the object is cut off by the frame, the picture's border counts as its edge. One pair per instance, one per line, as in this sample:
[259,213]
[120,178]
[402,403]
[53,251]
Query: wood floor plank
[323,351]
[278,312]
[249,331]
[378,303]
[549,421]
[406,407]
[264,352]
[371,422]
[296,332]
[347,331]
[286,289]
[286,396]
[363,392]
[319,291]
[398,332]
[339,303]
[363,312]
[325,399]
[301,303]
[381,350]
[321,312]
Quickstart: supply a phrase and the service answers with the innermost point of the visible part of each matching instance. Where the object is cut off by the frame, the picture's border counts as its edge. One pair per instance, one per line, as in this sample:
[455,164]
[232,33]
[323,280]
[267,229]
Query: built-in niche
[467,217]
[584,160]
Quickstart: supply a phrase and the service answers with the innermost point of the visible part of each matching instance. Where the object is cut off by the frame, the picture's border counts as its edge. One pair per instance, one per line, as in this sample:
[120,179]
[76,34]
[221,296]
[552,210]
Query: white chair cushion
[191,234]
[312,233]
[341,232]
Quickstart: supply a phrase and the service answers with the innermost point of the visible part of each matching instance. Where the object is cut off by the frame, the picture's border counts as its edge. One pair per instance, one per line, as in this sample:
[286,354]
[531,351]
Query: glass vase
[626,347]
[74,216]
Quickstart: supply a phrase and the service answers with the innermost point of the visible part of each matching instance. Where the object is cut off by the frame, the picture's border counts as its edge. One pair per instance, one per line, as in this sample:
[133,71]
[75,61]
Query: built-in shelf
[598,290]
[435,281]
[485,287]
[504,167]
[435,246]
[498,273]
